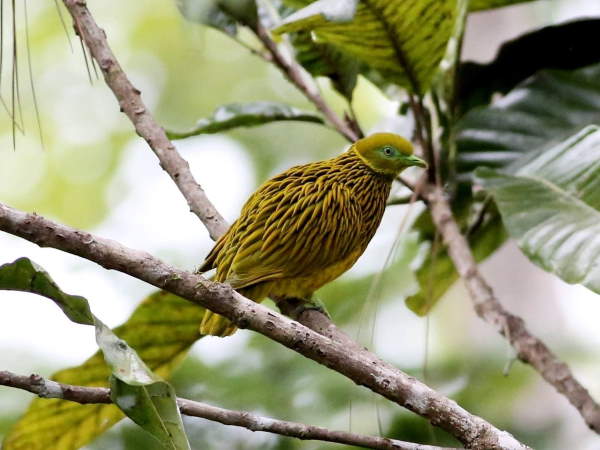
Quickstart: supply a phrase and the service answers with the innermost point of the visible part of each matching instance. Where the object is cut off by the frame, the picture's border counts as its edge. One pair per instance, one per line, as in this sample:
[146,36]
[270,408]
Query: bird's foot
[294,307]
[316,304]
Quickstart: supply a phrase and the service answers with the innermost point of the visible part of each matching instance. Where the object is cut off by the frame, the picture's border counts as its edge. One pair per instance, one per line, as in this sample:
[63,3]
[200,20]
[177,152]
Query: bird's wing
[291,230]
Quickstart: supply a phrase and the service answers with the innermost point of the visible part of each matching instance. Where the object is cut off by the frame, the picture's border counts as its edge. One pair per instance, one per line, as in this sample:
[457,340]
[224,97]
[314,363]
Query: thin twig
[295,74]
[131,104]
[529,348]
[85,395]
[359,365]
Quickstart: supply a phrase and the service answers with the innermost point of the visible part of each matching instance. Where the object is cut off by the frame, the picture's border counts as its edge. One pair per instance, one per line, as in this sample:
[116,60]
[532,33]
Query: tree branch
[295,74]
[361,366]
[529,348]
[131,104]
[82,394]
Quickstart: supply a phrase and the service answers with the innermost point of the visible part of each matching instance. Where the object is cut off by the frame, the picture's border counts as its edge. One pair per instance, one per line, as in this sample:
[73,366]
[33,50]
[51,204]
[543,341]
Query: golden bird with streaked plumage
[308,225]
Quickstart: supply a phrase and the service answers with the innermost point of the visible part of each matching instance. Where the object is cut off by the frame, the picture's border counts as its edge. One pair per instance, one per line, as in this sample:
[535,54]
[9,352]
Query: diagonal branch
[85,395]
[529,348]
[132,105]
[360,366]
[295,74]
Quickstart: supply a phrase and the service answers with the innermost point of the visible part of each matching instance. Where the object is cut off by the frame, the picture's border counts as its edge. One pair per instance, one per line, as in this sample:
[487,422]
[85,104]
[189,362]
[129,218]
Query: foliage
[539,181]
[160,331]
[405,41]
[560,191]
[246,115]
[563,46]
[24,275]
[537,114]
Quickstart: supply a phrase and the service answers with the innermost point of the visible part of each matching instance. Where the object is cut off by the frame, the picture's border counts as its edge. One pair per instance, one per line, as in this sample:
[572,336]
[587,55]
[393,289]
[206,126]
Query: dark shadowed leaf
[564,46]
[551,206]
[404,40]
[539,113]
[252,114]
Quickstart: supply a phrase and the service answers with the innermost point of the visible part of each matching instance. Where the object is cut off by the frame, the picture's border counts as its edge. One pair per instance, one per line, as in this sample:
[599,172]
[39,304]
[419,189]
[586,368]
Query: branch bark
[131,103]
[529,348]
[361,366]
[295,74]
[82,394]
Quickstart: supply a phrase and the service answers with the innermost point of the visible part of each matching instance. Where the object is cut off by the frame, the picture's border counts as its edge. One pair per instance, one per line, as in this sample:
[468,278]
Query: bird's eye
[388,151]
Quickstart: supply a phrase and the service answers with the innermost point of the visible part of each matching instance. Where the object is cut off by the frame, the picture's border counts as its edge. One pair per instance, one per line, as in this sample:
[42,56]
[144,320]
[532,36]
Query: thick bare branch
[131,104]
[529,348]
[82,394]
[361,366]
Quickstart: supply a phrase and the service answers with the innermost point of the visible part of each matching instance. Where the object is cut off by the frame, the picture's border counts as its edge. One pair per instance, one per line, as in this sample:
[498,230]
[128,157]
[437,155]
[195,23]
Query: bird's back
[302,228]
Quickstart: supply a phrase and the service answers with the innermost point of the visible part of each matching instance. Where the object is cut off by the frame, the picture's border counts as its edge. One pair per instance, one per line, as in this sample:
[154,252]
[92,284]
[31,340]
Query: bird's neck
[370,189]
[353,167]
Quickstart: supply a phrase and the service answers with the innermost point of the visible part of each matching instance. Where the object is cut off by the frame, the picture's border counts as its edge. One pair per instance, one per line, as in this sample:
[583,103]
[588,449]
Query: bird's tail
[216,325]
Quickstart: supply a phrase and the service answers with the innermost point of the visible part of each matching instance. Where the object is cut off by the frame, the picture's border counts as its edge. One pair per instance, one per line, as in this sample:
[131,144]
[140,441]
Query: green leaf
[144,397]
[564,46]
[153,406]
[224,15]
[404,40]
[437,274]
[479,5]
[236,115]
[539,113]
[161,330]
[551,206]
[26,276]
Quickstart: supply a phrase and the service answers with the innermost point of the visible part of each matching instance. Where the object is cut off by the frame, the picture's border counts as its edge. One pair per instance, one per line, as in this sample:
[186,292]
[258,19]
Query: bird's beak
[413,160]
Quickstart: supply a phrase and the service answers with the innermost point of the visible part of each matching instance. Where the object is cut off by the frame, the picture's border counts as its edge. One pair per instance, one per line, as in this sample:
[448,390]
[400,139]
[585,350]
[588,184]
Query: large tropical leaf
[161,330]
[404,40]
[546,109]
[551,206]
[479,5]
[251,114]
[474,5]
[564,46]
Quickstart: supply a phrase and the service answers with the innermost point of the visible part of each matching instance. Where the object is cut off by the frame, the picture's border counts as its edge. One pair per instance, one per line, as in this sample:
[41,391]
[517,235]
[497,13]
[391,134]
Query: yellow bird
[308,225]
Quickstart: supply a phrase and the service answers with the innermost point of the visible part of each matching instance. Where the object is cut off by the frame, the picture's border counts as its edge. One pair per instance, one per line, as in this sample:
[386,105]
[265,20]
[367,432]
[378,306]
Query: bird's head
[387,153]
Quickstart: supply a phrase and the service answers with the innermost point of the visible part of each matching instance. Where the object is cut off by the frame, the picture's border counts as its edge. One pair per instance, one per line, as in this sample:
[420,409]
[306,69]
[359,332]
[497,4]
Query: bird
[308,225]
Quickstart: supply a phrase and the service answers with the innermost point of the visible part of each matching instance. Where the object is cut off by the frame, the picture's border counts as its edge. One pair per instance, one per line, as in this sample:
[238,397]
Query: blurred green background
[94,173]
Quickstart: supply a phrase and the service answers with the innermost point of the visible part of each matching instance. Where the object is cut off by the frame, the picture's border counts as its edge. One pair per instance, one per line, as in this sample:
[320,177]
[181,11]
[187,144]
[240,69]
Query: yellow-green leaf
[404,40]
[479,5]
[161,330]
